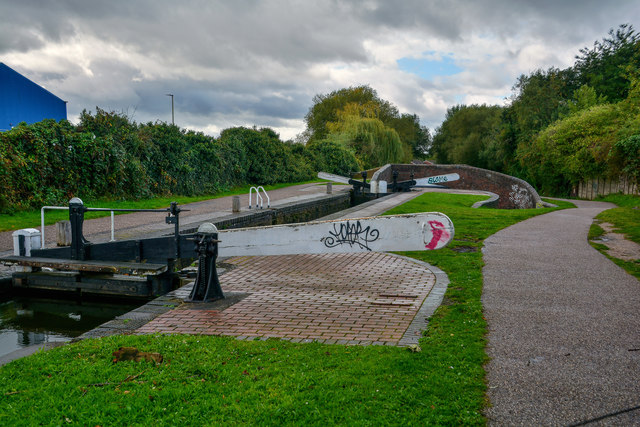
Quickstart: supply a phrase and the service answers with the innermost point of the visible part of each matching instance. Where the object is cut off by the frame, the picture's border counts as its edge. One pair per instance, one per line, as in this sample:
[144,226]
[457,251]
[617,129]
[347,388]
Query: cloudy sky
[260,62]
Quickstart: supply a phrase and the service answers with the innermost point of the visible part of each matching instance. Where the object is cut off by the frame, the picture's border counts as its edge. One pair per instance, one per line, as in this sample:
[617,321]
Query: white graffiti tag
[520,197]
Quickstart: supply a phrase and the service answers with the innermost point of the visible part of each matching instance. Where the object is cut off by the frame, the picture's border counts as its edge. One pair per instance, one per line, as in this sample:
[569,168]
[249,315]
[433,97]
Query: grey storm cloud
[260,62]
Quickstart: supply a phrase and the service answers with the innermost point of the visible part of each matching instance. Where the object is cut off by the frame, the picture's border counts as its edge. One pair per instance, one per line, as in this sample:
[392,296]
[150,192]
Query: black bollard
[207,286]
[76,217]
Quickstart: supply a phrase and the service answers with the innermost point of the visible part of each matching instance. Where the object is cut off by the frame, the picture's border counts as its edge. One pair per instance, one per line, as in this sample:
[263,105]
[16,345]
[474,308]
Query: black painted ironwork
[398,186]
[173,251]
[79,245]
[358,186]
[206,288]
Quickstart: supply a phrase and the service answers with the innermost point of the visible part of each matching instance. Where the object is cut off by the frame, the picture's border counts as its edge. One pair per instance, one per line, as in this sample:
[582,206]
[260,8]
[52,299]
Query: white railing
[113,239]
[259,197]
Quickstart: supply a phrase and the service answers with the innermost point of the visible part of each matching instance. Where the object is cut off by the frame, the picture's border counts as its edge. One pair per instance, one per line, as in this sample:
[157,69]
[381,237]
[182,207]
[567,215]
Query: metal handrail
[266,195]
[258,197]
[112,210]
[42,220]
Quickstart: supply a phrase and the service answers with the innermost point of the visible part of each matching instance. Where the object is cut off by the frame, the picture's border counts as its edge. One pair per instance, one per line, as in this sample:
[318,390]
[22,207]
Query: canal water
[25,321]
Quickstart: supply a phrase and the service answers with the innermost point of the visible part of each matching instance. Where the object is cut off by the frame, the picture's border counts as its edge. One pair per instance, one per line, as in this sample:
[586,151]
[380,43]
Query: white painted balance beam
[412,232]
[333,177]
[433,181]
[430,181]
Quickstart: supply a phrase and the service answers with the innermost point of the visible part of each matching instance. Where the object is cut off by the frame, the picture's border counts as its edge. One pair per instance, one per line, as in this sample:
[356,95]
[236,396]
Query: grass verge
[31,218]
[214,380]
[625,220]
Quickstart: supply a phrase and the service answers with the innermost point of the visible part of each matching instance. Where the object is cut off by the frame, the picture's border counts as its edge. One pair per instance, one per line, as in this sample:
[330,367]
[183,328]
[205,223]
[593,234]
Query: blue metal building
[21,100]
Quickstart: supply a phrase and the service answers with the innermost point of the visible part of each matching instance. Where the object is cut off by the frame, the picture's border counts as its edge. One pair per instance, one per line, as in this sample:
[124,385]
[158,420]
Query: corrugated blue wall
[21,100]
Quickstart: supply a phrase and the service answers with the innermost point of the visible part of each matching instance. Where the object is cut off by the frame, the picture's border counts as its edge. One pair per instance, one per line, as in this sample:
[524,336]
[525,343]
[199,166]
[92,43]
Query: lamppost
[172,117]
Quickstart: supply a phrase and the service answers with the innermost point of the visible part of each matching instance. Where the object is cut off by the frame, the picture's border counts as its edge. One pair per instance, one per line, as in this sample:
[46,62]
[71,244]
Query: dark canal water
[28,321]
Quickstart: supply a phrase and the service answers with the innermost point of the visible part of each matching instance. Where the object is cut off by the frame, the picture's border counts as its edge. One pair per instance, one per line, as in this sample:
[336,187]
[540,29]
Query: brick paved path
[366,298]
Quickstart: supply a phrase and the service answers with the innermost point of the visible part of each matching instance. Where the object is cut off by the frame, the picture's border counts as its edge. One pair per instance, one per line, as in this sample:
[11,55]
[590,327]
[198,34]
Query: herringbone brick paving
[366,298]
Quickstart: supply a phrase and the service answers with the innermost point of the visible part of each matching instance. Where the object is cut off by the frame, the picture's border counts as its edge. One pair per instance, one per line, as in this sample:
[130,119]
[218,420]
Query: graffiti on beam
[520,197]
[352,234]
[439,233]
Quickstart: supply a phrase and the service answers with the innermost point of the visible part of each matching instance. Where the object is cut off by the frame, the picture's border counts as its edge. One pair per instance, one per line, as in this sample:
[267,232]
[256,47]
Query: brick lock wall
[285,214]
[513,192]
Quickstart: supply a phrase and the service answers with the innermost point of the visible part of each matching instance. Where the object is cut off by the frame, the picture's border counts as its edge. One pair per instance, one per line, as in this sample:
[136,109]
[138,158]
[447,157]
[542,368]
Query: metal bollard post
[329,188]
[207,286]
[76,216]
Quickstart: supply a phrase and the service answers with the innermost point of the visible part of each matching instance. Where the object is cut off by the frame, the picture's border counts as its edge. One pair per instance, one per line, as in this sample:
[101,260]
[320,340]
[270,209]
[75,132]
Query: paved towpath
[564,326]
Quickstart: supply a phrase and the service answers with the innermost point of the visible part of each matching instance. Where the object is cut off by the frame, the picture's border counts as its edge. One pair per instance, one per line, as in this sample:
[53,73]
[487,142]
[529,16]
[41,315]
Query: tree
[411,133]
[601,140]
[329,111]
[605,67]
[268,160]
[326,107]
[332,157]
[373,143]
[465,135]
[627,153]
[537,100]
[583,98]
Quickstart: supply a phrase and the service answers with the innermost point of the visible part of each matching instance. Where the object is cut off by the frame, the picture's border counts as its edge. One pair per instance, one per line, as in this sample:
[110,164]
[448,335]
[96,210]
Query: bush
[268,160]
[108,156]
[329,156]
[627,154]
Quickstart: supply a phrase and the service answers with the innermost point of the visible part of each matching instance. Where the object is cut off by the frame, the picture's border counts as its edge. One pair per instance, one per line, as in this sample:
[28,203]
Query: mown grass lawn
[626,220]
[213,380]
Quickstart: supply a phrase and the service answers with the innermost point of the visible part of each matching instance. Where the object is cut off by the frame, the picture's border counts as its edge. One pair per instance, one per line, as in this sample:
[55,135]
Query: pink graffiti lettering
[439,234]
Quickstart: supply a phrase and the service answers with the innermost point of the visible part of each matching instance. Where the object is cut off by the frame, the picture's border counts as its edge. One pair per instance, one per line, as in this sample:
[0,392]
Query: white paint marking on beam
[433,181]
[413,232]
[334,178]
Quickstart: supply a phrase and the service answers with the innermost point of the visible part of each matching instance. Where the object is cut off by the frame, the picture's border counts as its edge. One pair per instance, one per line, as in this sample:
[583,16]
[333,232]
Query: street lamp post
[172,117]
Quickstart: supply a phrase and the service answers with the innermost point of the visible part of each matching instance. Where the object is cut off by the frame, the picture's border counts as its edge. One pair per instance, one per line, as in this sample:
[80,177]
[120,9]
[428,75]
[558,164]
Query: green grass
[215,380]
[625,220]
[626,217]
[31,218]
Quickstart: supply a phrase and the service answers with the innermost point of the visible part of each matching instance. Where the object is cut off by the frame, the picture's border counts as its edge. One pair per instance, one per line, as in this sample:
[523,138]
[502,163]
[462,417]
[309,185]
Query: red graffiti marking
[439,234]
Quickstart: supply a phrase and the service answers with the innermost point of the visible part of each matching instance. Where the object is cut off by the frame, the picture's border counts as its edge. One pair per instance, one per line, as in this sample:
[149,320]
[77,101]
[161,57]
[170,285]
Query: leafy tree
[606,66]
[329,156]
[583,98]
[466,134]
[326,107]
[373,143]
[412,134]
[627,154]
[107,155]
[593,142]
[268,159]
[537,99]
[329,111]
